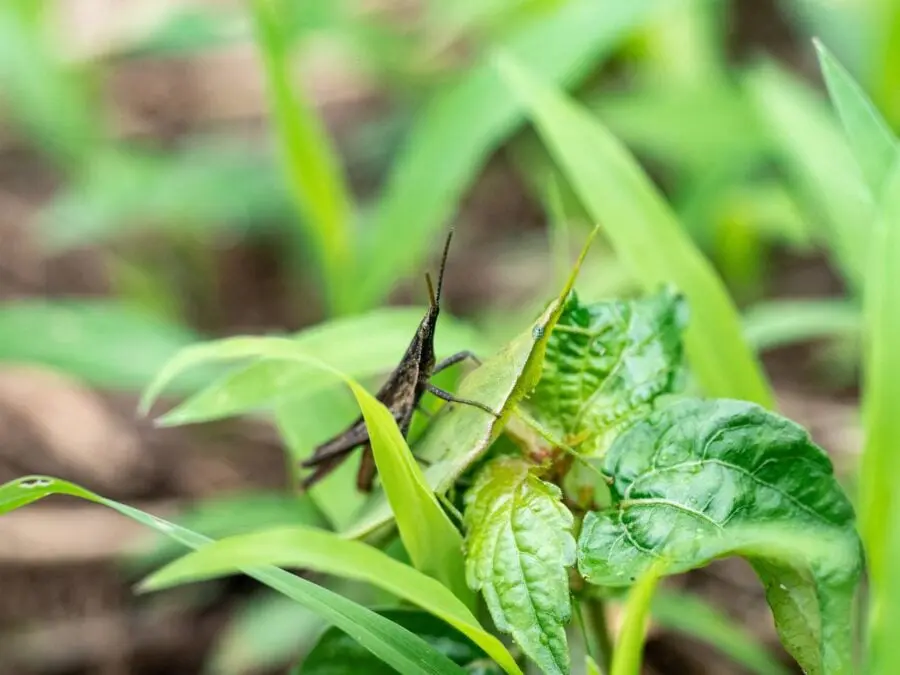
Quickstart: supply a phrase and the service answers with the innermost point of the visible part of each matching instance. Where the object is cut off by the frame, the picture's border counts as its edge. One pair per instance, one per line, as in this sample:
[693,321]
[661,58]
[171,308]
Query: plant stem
[601,643]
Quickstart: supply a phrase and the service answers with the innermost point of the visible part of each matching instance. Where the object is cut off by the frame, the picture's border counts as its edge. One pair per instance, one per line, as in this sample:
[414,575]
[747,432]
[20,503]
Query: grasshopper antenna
[436,299]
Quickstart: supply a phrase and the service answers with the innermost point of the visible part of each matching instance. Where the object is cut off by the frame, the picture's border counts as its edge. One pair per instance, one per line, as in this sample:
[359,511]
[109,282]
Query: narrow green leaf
[459,435]
[778,323]
[590,666]
[519,546]
[464,122]
[433,542]
[607,363]
[629,652]
[103,342]
[692,616]
[644,232]
[688,482]
[881,389]
[325,552]
[391,643]
[809,144]
[312,165]
[335,653]
[871,139]
[362,346]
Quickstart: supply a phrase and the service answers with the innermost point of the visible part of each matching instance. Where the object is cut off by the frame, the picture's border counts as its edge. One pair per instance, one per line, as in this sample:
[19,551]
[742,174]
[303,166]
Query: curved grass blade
[465,122]
[629,651]
[393,644]
[328,553]
[645,233]
[312,165]
[778,323]
[433,542]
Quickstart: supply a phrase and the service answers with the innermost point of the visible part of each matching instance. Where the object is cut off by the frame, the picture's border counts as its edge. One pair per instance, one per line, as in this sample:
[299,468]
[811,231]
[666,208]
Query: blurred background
[171,171]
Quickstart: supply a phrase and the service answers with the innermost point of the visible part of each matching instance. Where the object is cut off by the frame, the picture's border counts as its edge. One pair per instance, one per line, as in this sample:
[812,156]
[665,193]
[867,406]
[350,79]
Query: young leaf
[691,477]
[396,646]
[519,546]
[337,342]
[433,542]
[312,165]
[606,363]
[336,653]
[464,122]
[459,435]
[330,554]
[871,139]
[645,233]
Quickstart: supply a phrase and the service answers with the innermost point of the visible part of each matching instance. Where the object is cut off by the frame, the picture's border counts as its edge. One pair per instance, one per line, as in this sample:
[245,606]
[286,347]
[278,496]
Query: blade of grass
[312,165]
[395,645]
[644,232]
[777,323]
[871,139]
[692,616]
[463,123]
[629,651]
[328,553]
[814,153]
[432,540]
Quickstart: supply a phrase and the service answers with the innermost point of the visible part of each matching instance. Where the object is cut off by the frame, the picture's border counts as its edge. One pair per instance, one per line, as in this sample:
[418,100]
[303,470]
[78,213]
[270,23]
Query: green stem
[602,642]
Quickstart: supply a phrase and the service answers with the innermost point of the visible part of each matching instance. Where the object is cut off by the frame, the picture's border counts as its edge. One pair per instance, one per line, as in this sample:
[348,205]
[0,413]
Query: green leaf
[688,482]
[644,232]
[433,542]
[871,139]
[459,435]
[336,654]
[234,514]
[692,616]
[629,650]
[810,146]
[312,165]
[330,554]
[778,323]
[394,645]
[465,121]
[519,546]
[361,346]
[606,363]
[103,342]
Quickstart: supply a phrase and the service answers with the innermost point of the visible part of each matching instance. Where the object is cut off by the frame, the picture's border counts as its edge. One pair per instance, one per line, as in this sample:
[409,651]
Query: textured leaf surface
[691,478]
[403,650]
[608,362]
[337,654]
[519,546]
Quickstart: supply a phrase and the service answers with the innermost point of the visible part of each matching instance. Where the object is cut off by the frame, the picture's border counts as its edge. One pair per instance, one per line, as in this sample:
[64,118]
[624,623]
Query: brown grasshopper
[401,394]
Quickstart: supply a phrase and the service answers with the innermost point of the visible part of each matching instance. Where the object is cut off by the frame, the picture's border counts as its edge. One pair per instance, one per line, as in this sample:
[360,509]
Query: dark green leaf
[338,654]
[519,546]
[606,363]
[688,482]
[395,645]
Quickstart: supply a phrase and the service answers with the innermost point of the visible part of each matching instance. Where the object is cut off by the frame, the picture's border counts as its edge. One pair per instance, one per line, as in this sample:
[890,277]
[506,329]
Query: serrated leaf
[404,651]
[337,654]
[606,363]
[519,546]
[692,479]
[459,435]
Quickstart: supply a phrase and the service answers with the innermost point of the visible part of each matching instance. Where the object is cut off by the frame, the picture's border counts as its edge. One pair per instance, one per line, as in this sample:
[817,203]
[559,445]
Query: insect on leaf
[396,646]
[697,480]
[459,435]
[607,363]
[519,546]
